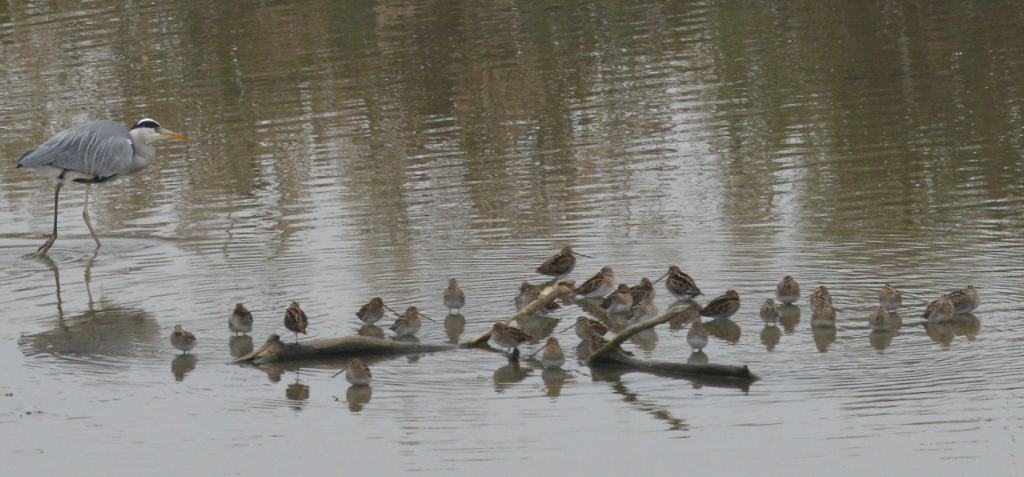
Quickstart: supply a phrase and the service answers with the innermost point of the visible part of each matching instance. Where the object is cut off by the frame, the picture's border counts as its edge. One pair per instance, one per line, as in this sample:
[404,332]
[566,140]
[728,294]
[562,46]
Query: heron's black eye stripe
[147,123]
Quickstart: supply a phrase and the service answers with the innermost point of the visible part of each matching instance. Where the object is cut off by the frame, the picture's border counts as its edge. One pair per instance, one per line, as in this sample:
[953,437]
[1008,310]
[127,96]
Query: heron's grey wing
[100,148]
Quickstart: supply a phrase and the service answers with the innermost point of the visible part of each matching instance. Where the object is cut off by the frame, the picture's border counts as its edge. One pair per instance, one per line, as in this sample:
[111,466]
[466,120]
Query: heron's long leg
[85,215]
[49,240]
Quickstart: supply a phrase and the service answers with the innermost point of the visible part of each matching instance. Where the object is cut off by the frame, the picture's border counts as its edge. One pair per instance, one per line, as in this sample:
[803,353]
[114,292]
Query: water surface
[340,151]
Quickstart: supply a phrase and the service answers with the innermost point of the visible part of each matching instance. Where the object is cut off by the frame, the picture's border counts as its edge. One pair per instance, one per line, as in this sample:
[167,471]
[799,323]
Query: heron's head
[151,130]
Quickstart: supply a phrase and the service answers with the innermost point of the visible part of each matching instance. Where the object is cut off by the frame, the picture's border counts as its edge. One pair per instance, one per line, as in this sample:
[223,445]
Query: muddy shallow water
[343,151]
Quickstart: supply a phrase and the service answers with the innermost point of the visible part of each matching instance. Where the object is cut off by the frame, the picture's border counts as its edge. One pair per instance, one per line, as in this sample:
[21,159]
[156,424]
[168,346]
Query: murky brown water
[343,151]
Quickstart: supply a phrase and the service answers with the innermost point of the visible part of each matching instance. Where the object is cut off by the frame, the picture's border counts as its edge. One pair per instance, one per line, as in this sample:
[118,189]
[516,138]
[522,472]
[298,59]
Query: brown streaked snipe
[722,307]
[454,298]
[788,290]
[182,340]
[599,285]
[295,320]
[240,320]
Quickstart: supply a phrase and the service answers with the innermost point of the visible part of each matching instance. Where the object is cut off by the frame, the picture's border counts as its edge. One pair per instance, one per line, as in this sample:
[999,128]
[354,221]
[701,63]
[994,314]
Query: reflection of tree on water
[106,330]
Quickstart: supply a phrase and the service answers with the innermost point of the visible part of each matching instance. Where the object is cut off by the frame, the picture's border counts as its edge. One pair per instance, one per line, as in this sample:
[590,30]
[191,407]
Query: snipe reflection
[357,397]
[509,374]
[182,365]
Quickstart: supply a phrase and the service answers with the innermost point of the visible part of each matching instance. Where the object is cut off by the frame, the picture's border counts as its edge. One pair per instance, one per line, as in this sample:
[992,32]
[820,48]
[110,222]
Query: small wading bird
[598,285]
[528,294]
[295,320]
[697,337]
[645,288]
[788,290]
[182,340]
[372,311]
[620,301]
[240,320]
[454,297]
[92,153]
[770,312]
[890,298]
[409,323]
[644,310]
[965,299]
[823,314]
[940,310]
[596,342]
[723,306]
[552,356]
[509,337]
[356,373]
[880,319]
[561,264]
[679,284]
[819,295]
[587,327]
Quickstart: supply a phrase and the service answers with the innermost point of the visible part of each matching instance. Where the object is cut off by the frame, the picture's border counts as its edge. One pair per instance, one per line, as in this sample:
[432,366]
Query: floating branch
[277,350]
[557,289]
[610,353]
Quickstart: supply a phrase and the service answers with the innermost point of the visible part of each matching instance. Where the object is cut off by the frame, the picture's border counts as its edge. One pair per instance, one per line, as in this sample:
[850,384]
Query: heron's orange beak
[172,134]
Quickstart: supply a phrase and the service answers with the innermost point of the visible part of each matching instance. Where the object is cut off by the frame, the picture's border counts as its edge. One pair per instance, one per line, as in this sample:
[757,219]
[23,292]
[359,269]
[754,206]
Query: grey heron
[93,153]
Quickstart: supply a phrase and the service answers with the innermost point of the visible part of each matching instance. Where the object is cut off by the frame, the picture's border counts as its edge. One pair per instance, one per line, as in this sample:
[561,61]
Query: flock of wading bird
[634,304]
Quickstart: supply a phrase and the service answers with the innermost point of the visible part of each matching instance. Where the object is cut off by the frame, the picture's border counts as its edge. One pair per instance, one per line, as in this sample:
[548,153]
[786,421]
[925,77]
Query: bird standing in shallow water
[560,265]
[596,342]
[528,294]
[965,299]
[645,288]
[788,290]
[722,307]
[295,320]
[598,285]
[644,310]
[823,314]
[372,311]
[508,337]
[182,340]
[880,319]
[92,153]
[356,373]
[890,298]
[409,323]
[552,356]
[619,301]
[940,310]
[770,312]
[454,297]
[587,327]
[697,337]
[819,295]
[240,320]
[680,285]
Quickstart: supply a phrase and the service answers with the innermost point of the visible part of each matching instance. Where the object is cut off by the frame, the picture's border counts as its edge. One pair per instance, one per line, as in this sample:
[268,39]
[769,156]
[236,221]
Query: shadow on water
[612,372]
[104,329]
[614,376]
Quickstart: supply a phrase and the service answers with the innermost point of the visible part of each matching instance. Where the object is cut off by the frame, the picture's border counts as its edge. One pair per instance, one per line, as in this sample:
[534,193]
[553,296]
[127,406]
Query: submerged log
[611,354]
[277,350]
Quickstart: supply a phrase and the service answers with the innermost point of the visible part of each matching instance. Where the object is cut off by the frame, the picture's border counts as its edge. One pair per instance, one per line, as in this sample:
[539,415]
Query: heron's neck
[144,152]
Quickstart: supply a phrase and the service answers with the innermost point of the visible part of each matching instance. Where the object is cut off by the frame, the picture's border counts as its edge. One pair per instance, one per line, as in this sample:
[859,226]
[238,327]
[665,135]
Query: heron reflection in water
[104,329]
